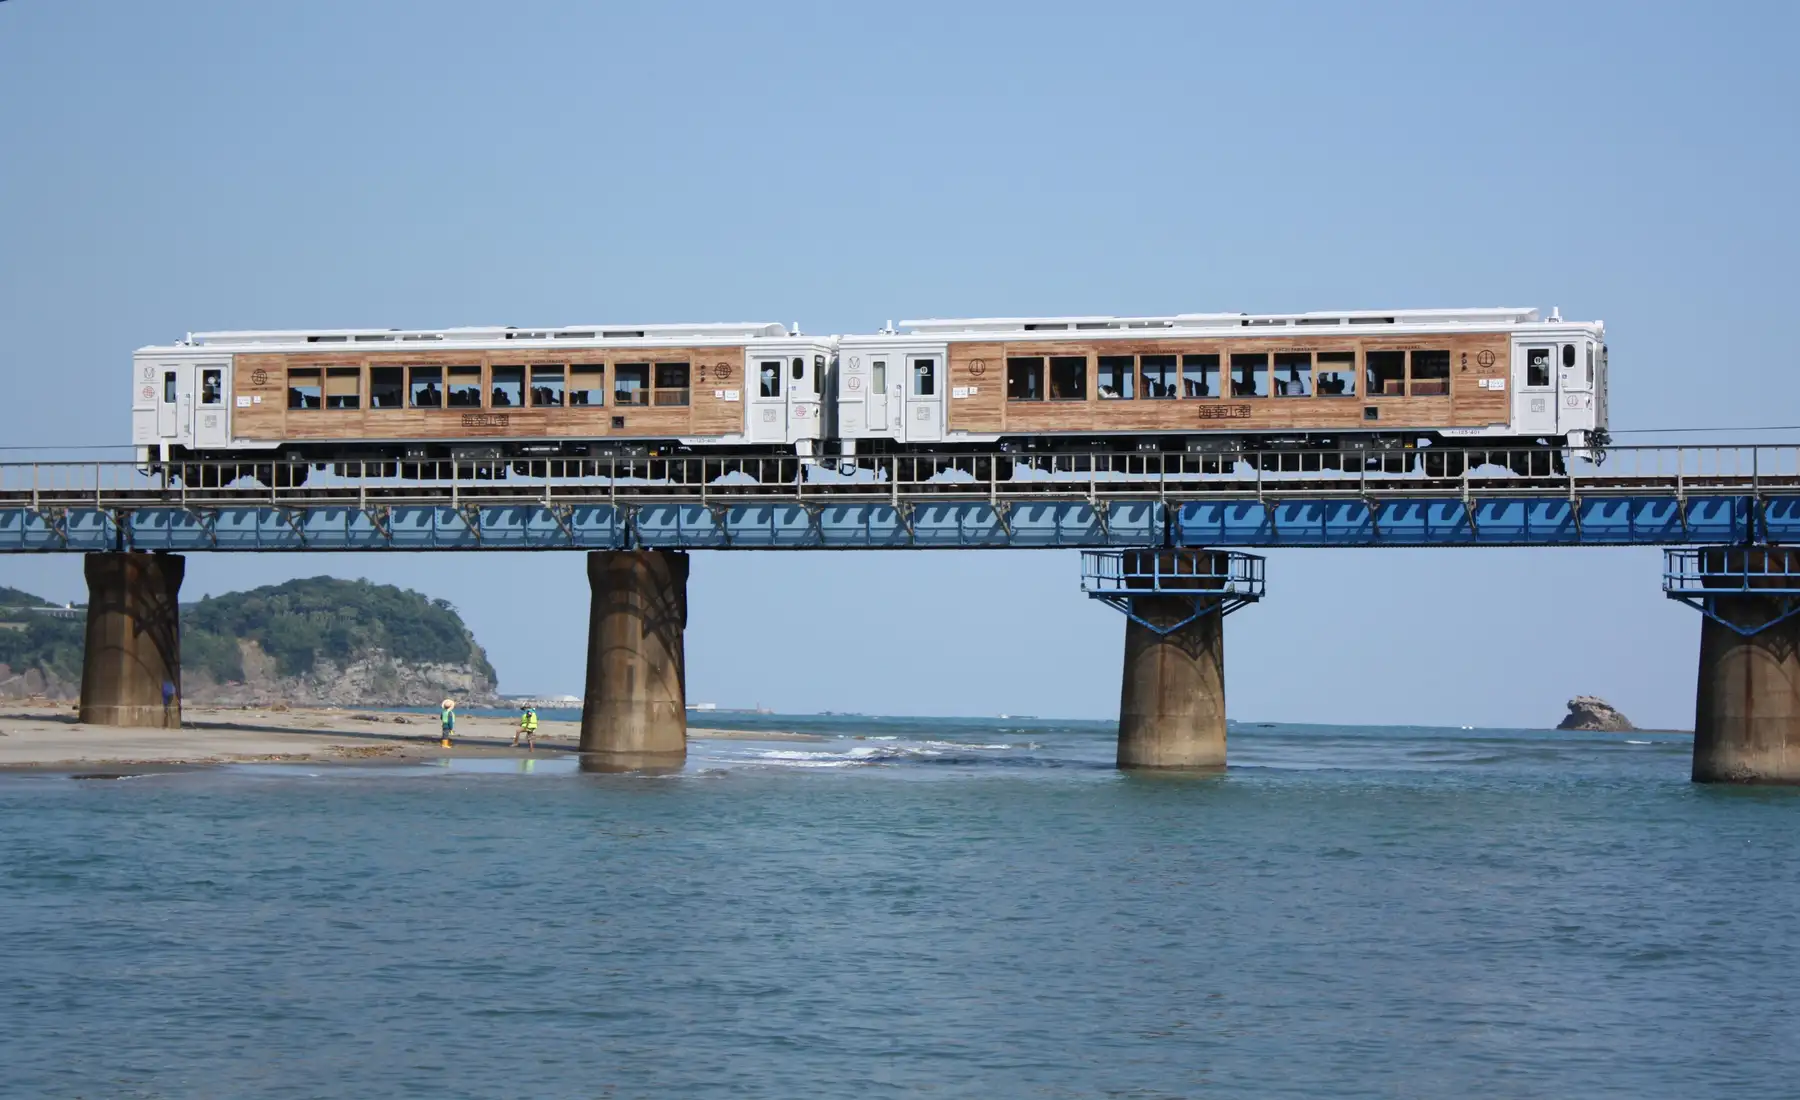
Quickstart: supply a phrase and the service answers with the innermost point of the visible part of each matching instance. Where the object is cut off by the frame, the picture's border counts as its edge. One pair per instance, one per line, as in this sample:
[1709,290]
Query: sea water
[912,908]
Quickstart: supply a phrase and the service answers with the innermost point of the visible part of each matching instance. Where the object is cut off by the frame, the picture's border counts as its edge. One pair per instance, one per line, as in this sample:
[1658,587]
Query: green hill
[302,628]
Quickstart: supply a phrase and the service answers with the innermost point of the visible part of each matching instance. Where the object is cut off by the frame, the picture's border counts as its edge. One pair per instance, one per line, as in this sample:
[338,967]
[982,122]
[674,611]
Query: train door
[803,399]
[1534,388]
[175,402]
[767,407]
[211,426]
[924,398]
[1575,385]
[877,408]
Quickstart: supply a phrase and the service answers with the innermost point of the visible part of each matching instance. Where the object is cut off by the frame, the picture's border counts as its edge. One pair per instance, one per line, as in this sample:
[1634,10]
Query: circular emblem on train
[977,368]
[1485,357]
[259,377]
[722,371]
[149,392]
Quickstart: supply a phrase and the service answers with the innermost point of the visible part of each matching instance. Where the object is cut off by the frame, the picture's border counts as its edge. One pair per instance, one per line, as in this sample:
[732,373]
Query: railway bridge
[1166,539]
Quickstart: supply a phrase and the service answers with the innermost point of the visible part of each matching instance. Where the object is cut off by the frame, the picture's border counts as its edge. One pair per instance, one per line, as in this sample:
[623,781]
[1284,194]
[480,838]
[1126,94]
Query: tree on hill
[297,623]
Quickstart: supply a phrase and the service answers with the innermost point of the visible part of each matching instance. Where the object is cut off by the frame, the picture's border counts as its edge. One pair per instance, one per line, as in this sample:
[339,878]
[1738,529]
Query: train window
[1250,374]
[303,389]
[631,383]
[671,383]
[1025,378]
[463,388]
[1068,378]
[212,382]
[506,388]
[1158,372]
[818,375]
[169,387]
[769,372]
[1337,374]
[1115,377]
[1430,373]
[799,368]
[1590,363]
[1568,355]
[587,385]
[343,387]
[924,377]
[1293,374]
[425,387]
[1537,366]
[1386,373]
[1199,376]
[878,376]
[387,387]
[547,385]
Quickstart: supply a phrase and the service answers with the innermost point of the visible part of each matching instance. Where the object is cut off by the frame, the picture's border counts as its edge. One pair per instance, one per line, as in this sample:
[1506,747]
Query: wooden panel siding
[1467,405]
[980,368]
[712,373]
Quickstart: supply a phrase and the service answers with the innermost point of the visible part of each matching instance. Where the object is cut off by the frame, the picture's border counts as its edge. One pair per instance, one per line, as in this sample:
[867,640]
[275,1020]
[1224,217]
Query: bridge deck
[1645,496]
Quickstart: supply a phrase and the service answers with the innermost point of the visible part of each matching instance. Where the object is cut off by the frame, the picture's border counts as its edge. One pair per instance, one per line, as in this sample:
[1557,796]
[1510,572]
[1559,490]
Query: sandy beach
[47,736]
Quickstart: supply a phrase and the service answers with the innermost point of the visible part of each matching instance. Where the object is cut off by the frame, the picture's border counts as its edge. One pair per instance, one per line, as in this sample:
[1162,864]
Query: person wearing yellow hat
[447,722]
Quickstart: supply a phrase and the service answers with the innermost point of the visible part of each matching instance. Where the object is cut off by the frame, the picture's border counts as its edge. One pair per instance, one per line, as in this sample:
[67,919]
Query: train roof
[1225,322]
[484,334]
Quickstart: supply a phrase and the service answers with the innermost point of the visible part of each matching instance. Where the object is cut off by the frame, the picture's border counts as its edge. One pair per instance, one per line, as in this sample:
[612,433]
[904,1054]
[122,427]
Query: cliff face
[315,642]
[374,678]
[1589,712]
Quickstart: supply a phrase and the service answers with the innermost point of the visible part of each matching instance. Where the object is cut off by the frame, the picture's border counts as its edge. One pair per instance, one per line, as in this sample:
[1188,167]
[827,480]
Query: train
[271,404]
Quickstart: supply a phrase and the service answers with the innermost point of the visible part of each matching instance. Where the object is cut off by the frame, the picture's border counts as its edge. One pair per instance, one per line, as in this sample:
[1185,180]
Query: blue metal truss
[1205,582]
[1716,580]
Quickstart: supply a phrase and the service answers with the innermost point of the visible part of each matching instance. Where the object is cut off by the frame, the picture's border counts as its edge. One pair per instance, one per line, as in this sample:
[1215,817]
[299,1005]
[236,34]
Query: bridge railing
[1431,471]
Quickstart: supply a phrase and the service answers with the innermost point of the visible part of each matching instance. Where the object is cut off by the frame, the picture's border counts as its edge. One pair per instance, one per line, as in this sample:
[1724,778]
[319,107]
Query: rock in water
[1588,712]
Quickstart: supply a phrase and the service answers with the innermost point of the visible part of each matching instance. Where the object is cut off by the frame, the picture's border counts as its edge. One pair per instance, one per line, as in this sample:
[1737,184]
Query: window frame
[453,371]
[1082,364]
[1257,362]
[1369,368]
[1277,382]
[402,391]
[1413,379]
[492,390]
[354,374]
[1102,363]
[1188,363]
[1353,370]
[598,372]
[658,390]
[1032,367]
[534,371]
[1169,376]
[642,368]
[317,376]
[435,379]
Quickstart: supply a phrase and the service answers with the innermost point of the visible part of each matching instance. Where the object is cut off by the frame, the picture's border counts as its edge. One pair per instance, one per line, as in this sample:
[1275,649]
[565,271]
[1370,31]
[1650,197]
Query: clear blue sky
[195,165]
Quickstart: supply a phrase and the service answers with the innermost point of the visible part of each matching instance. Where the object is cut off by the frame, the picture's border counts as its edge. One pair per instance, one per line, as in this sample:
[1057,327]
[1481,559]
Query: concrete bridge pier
[634,713]
[1747,702]
[1172,694]
[131,668]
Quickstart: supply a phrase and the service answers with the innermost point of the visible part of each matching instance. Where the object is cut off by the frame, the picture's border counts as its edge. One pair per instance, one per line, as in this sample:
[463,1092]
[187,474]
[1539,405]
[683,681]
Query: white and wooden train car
[506,398]
[1483,378]
[488,396]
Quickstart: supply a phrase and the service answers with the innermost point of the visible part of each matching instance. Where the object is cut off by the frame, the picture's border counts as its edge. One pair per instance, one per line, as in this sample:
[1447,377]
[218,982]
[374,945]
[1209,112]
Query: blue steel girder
[823,523]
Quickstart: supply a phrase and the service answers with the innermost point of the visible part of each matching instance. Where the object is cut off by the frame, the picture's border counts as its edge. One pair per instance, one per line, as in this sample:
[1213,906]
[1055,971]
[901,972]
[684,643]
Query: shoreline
[47,738]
